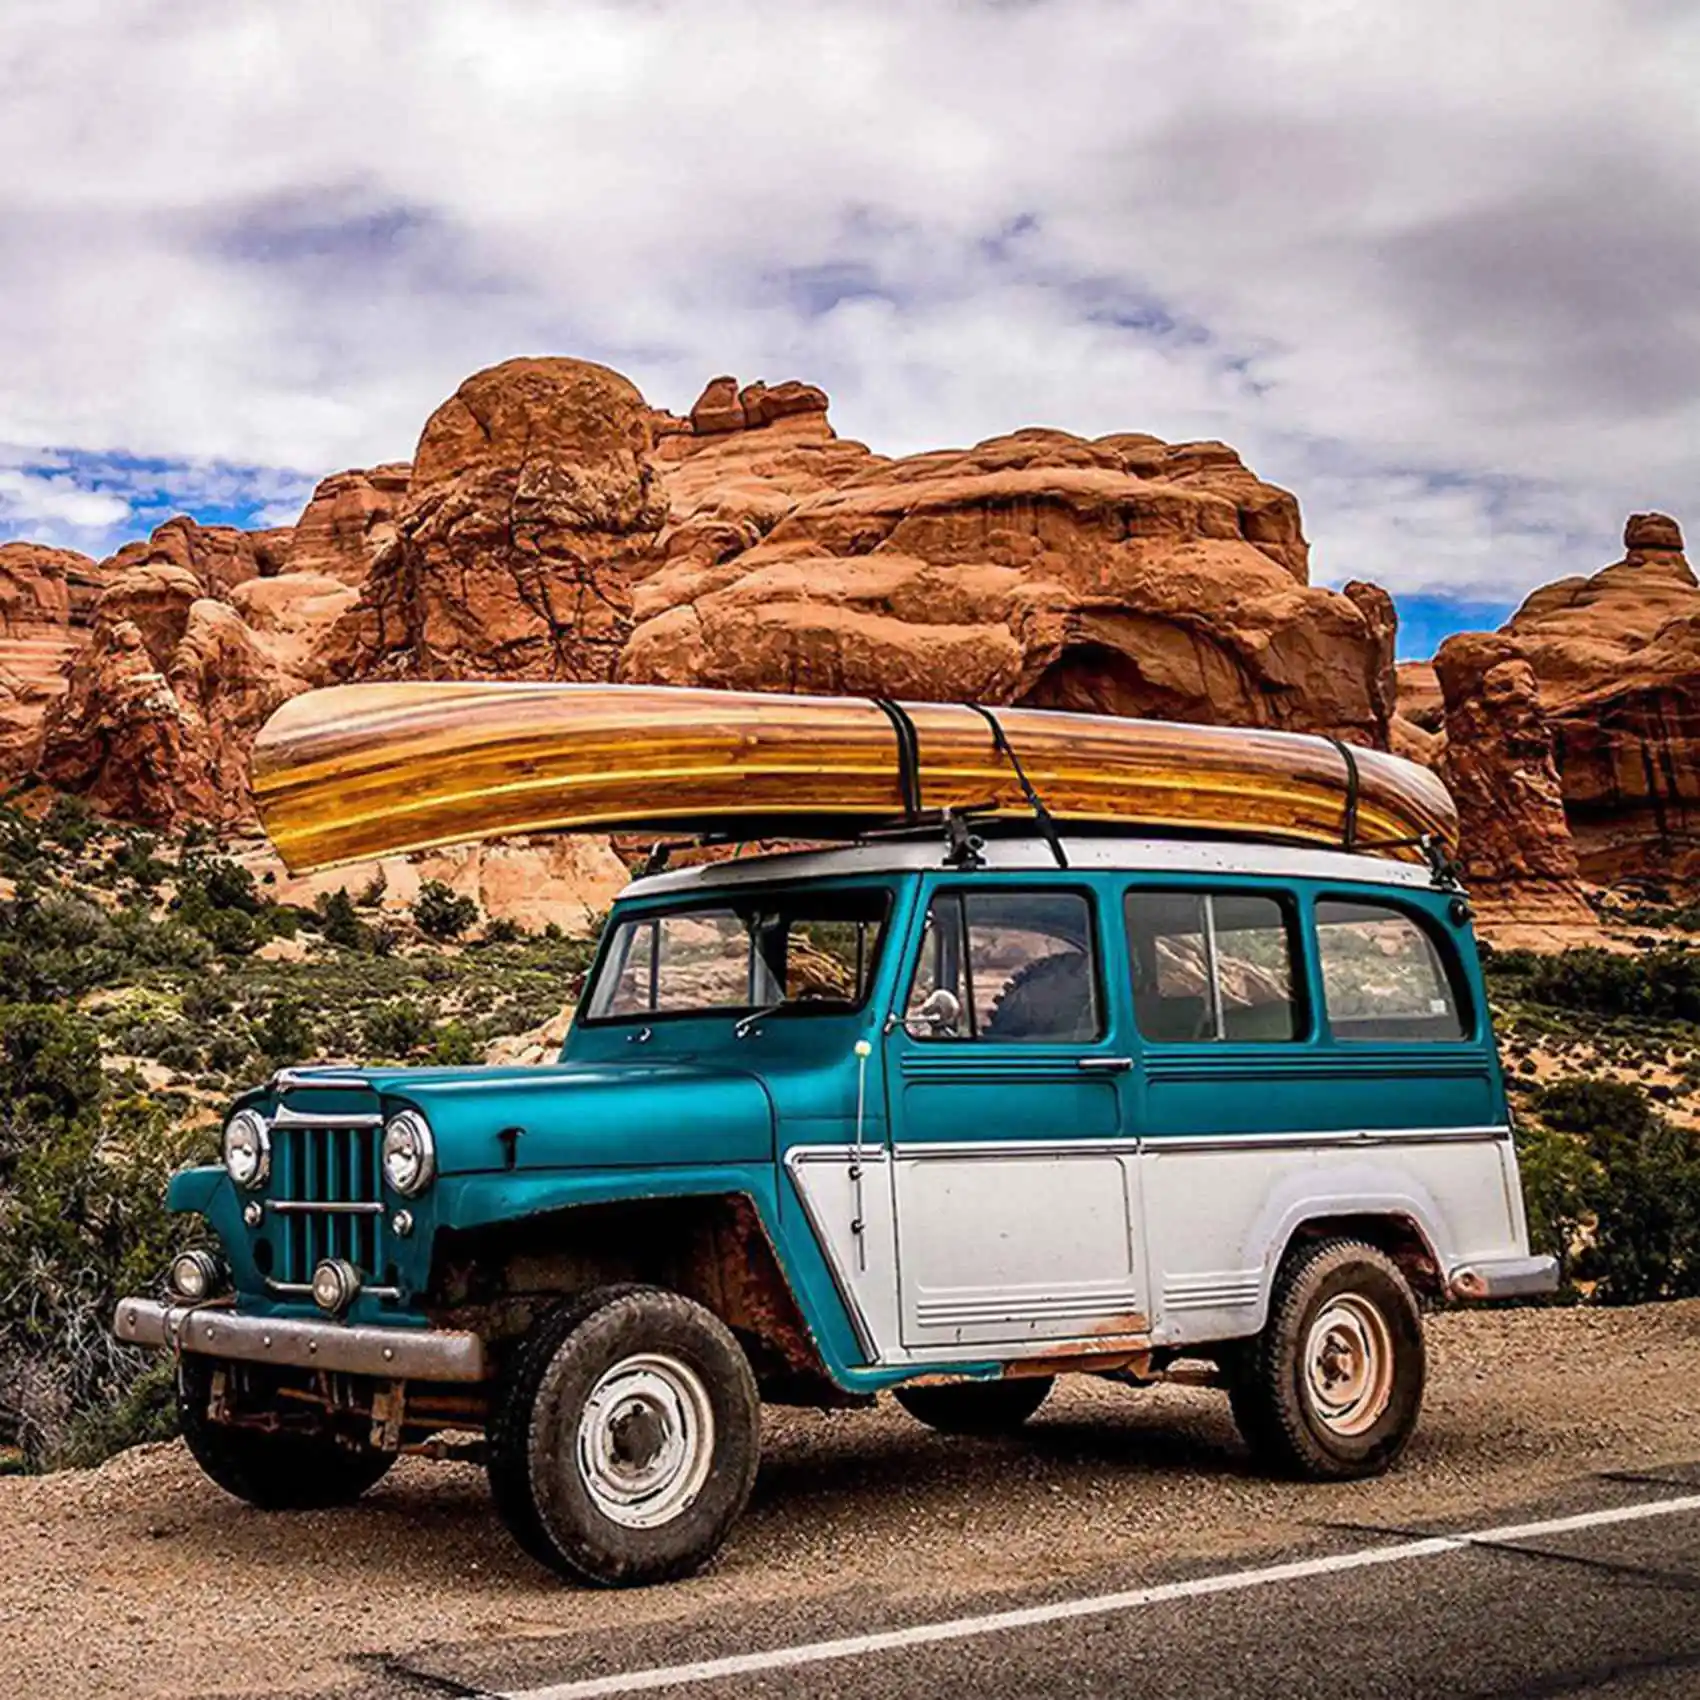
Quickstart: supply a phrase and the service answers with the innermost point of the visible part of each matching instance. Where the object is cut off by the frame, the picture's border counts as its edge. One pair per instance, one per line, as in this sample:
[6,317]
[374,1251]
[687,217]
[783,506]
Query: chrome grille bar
[329,1207]
[328,1193]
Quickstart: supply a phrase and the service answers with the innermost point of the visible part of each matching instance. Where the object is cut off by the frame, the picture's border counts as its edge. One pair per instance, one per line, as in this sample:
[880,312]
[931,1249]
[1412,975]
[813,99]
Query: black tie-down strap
[1047,826]
[1349,822]
[908,755]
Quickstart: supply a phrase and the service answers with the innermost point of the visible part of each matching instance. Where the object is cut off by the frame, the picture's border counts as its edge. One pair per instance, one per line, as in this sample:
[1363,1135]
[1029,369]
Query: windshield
[811,949]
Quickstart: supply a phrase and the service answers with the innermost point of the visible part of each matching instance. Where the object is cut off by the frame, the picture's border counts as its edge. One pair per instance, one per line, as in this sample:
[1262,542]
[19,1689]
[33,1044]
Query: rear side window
[1212,966]
[1383,976]
[1007,967]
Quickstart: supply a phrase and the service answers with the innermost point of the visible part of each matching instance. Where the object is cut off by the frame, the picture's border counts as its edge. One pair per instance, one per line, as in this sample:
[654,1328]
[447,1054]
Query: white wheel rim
[1349,1365]
[646,1441]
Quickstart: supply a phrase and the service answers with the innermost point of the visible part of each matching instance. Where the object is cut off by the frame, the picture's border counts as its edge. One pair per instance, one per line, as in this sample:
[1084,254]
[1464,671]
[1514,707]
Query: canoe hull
[358,771]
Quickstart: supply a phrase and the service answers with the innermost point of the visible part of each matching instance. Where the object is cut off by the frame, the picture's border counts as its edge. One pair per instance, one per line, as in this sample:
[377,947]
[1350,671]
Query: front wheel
[1331,1389]
[625,1438]
[275,1470]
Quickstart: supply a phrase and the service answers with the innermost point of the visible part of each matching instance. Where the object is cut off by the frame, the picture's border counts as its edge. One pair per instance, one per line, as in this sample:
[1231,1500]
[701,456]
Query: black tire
[976,1407]
[542,1488]
[1051,998]
[273,1471]
[1295,1410]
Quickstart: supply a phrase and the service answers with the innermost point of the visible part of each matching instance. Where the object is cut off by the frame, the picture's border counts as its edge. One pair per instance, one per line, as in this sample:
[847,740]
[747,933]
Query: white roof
[1157,855]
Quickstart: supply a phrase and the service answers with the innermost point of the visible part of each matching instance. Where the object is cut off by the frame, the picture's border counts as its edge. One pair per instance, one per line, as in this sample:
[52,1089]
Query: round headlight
[195,1275]
[247,1149]
[336,1285]
[410,1154]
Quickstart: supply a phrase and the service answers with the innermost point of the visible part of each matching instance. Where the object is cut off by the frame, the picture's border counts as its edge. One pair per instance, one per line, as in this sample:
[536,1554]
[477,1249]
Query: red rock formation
[1123,576]
[533,506]
[163,703]
[348,522]
[46,603]
[1618,660]
[218,557]
[1497,760]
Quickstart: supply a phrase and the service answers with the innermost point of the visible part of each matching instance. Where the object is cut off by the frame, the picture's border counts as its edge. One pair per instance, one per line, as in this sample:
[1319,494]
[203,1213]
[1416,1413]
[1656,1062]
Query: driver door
[1015,1180]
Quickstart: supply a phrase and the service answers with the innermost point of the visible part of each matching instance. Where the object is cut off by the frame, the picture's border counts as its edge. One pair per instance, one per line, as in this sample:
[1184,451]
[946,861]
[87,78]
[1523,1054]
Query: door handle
[1106,1065]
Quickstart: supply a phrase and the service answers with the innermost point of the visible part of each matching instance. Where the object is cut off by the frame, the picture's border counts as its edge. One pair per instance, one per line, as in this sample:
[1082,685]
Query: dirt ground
[140,1578]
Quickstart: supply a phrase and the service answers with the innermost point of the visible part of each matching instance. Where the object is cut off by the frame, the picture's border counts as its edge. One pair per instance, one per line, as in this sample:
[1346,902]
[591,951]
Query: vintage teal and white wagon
[1020,1071]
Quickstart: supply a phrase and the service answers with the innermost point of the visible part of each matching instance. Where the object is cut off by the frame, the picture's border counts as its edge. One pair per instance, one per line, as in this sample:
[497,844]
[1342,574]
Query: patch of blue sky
[152,489]
[1426,620]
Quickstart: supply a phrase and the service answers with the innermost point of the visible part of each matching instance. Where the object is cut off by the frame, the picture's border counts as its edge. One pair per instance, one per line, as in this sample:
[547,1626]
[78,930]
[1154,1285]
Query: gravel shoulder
[140,1578]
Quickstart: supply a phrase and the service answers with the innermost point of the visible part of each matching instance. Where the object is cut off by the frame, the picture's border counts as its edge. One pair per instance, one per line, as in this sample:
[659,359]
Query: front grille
[327,1193]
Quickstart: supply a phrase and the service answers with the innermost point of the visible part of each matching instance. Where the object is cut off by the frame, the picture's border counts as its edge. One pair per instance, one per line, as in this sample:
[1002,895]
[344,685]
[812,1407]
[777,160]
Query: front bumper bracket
[403,1354]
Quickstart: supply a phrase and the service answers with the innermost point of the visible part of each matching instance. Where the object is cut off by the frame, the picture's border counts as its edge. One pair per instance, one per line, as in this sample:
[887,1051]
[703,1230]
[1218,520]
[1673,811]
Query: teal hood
[567,1115]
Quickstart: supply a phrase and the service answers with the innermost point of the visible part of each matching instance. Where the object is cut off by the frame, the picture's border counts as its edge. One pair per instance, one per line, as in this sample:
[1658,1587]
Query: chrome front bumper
[402,1354]
[1504,1278]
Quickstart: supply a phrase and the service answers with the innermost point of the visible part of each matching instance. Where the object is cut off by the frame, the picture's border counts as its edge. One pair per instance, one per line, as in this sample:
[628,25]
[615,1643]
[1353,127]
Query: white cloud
[1436,267]
[51,502]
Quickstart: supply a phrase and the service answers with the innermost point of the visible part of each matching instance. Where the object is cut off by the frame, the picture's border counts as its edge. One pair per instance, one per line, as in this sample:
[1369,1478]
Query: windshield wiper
[746,1024]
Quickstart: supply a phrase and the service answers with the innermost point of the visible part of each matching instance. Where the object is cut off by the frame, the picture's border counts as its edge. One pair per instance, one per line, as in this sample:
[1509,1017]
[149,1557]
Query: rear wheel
[625,1438]
[274,1470]
[976,1407]
[1332,1387]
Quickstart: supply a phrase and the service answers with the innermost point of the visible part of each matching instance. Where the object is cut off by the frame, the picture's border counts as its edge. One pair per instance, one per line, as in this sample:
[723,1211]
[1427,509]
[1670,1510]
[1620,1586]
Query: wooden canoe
[357,771]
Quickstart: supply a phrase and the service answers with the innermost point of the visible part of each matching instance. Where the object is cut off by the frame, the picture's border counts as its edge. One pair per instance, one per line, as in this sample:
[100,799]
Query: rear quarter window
[1386,975]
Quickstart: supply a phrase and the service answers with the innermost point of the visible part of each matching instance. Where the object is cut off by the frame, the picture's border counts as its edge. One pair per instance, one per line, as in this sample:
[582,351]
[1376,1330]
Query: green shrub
[283,1034]
[338,922]
[84,1167]
[394,1031]
[1663,984]
[1625,1196]
[440,914]
[456,1045]
[49,1068]
[70,823]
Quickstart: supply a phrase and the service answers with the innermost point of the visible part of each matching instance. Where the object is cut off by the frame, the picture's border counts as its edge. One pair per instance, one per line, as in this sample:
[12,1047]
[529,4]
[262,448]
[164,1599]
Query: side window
[1212,966]
[1007,967]
[1382,975]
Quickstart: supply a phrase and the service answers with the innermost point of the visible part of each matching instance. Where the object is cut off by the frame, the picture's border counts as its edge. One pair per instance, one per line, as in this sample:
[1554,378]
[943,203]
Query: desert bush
[394,1031]
[70,823]
[282,1033]
[1616,1189]
[338,922]
[83,1168]
[1663,984]
[439,913]
[456,1045]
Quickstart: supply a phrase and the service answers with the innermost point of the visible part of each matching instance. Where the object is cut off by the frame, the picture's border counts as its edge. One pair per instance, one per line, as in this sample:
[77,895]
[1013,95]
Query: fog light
[401,1224]
[336,1284]
[253,1212]
[195,1275]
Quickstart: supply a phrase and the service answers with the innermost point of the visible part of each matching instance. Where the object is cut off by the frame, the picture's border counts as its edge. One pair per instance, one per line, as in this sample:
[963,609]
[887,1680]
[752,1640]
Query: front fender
[491,1200]
[478,1201]
[193,1191]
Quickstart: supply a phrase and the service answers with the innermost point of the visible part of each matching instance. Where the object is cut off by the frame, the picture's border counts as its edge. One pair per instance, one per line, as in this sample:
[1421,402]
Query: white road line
[1097,1605]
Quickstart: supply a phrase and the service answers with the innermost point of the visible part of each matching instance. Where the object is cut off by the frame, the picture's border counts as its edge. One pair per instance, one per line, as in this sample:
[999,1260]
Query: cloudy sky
[1435,267]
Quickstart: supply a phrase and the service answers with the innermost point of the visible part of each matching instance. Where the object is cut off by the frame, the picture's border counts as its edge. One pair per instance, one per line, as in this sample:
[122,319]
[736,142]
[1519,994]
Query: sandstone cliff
[1497,759]
[1618,660]
[46,607]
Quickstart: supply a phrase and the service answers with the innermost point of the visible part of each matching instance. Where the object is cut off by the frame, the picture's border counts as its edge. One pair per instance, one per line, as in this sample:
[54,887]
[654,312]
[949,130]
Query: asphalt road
[1592,1591]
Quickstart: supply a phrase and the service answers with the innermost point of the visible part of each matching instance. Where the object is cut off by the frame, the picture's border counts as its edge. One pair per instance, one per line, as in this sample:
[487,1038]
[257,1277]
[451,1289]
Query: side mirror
[936,1017]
